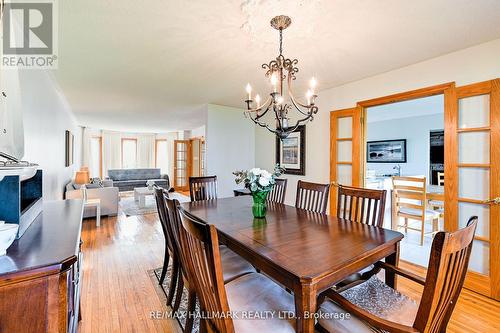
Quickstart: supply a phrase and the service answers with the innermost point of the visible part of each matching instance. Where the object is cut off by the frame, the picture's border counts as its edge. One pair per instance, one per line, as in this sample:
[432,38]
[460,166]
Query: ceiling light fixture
[277,71]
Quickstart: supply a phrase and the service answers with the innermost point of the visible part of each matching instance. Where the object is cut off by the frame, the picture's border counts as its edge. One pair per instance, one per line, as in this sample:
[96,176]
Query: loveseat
[106,193]
[128,179]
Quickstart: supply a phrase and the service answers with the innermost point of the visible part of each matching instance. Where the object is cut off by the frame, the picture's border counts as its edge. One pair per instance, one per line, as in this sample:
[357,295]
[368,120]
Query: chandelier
[277,71]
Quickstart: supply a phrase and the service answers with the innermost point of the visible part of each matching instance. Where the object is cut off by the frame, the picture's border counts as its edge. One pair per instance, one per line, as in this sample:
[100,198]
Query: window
[129,153]
[162,156]
[95,157]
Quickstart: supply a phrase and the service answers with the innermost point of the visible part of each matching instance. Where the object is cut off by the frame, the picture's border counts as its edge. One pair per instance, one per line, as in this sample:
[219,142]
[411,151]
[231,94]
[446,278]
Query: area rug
[131,208]
[162,292]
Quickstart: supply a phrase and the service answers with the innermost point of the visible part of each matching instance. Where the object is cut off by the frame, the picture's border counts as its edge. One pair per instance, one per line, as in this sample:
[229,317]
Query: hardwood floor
[118,295]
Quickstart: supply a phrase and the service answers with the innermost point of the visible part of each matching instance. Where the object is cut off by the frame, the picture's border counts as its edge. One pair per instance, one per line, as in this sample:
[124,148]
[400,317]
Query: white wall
[417,142]
[466,66]
[198,132]
[230,145]
[47,115]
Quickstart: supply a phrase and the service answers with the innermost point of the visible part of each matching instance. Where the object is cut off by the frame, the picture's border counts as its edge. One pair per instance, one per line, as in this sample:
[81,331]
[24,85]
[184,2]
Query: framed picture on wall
[291,152]
[70,138]
[386,151]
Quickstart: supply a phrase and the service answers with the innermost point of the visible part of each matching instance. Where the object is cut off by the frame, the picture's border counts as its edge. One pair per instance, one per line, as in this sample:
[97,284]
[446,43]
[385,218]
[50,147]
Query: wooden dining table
[306,252]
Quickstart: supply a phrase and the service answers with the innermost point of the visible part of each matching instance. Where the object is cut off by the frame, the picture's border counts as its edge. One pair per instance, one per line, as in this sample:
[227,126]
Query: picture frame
[70,146]
[386,151]
[291,152]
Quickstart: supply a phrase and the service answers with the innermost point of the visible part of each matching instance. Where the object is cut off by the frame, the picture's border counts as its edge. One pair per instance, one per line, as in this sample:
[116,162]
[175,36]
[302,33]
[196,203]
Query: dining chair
[278,192]
[365,206]
[169,244]
[233,265]
[251,293]
[440,178]
[361,205]
[203,188]
[312,196]
[410,202]
[388,310]
[437,204]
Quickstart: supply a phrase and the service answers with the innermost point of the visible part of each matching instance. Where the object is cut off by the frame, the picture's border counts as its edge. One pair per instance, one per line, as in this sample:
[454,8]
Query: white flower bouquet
[258,180]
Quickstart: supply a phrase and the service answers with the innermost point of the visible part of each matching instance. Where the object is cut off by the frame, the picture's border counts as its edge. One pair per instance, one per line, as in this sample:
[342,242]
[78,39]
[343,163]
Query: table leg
[142,201]
[136,197]
[393,259]
[305,307]
[98,217]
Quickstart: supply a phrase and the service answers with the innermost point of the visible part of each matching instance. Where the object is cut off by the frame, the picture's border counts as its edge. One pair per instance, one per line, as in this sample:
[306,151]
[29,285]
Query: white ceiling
[152,65]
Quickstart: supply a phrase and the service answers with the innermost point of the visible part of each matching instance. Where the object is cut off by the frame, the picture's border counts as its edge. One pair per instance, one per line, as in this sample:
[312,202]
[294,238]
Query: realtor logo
[29,34]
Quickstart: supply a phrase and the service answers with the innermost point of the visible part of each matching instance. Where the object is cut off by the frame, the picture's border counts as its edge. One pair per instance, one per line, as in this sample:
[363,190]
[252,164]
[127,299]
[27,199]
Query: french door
[472,167]
[472,145]
[181,164]
[345,150]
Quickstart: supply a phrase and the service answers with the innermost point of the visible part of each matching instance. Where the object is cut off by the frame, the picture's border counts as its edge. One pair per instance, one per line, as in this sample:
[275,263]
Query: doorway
[406,139]
[471,166]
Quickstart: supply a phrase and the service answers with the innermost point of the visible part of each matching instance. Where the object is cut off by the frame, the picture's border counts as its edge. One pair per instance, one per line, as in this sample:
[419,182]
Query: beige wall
[478,63]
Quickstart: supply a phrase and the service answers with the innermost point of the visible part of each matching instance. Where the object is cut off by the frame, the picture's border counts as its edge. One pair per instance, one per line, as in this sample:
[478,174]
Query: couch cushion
[134,174]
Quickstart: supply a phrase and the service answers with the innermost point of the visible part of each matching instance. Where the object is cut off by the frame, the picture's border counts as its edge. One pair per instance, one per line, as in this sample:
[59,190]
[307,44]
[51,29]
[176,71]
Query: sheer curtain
[87,153]
[111,151]
[146,150]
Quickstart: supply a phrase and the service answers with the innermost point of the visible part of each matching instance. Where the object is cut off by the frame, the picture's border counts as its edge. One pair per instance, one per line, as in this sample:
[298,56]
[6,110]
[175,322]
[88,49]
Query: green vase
[259,206]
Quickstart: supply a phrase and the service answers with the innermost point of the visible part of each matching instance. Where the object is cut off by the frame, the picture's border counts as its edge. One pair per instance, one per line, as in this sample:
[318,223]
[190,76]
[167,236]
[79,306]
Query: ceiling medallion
[278,71]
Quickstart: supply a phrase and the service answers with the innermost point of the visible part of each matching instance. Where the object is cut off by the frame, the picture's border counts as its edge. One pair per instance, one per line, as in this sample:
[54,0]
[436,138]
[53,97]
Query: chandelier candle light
[277,71]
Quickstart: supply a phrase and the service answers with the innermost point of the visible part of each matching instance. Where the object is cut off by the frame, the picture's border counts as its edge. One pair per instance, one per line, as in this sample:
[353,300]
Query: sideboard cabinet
[40,275]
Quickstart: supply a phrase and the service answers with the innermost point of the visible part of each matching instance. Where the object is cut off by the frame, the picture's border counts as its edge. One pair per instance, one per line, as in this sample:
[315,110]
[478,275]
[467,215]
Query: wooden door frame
[188,164]
[448,90]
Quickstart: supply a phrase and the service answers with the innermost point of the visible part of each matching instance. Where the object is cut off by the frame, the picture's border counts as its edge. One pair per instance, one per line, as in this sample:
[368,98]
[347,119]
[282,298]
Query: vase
[259,206]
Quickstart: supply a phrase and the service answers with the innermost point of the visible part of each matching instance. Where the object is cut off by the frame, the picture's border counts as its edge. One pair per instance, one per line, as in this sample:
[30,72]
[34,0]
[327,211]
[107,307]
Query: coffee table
[140,194]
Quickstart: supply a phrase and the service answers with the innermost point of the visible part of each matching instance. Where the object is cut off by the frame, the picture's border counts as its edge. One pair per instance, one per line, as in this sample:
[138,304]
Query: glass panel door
[344,150]
[477,153]
[181,164]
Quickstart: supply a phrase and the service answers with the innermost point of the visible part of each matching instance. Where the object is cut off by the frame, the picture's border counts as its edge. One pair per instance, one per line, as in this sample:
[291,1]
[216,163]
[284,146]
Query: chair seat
[373,296]
[233,265]
[255,293]
[429,213]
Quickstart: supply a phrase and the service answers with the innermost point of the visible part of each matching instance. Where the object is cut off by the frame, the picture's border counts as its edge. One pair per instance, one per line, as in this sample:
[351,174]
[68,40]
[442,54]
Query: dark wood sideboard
[41,273]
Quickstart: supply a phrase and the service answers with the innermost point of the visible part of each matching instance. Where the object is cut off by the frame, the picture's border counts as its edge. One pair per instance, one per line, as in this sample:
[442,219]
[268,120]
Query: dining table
[305,252]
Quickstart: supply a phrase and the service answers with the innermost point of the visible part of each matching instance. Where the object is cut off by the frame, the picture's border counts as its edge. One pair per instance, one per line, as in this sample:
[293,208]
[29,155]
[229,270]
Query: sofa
[128,179]
[107,194]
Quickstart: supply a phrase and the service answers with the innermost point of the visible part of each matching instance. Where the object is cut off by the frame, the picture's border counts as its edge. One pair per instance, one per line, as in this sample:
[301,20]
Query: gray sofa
[128,179]
[107,194]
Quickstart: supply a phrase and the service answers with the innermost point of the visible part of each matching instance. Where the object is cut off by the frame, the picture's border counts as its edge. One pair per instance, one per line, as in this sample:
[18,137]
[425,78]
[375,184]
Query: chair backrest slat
[163,216]
[312,196]
[203,188]
[200,247]
[409,192]
[278,192]
[365,205]
[448,264]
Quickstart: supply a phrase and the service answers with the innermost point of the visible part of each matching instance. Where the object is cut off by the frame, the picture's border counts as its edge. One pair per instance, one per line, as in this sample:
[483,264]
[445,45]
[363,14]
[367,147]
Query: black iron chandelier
[277,71]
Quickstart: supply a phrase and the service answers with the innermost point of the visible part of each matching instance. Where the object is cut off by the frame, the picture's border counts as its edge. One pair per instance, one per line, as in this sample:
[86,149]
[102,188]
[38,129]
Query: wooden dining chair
[278,192]
[361,205]
[312,196]
[233,265]
[203,188]
[250,293]
[169,244]
[388,310]
[409,201]
[365,206]
[440,178]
